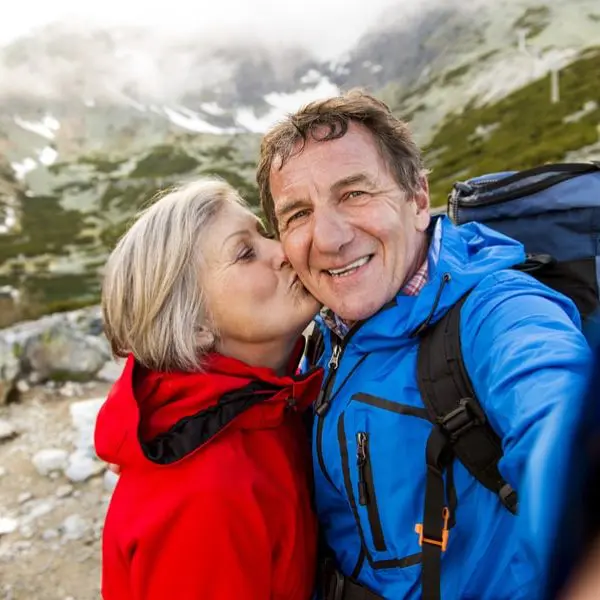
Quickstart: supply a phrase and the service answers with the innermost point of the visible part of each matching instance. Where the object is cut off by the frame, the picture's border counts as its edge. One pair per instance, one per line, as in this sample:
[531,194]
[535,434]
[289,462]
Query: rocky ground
[53,494]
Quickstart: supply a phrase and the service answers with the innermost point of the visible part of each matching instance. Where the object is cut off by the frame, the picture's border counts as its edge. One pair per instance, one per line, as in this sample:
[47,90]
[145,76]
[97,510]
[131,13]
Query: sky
[326,26]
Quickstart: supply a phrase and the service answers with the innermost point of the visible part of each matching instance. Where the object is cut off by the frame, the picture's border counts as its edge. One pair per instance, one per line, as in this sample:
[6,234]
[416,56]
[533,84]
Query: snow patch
[10,220]
[283,104]
[212,108]
[589,107]
[47,156]
[47,127]
[22,168]
[188,119]
[9,291]
[483,132]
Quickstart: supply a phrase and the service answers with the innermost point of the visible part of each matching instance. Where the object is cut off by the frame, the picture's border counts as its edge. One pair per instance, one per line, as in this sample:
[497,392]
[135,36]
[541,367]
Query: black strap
[336,586]
[434,530]
[461,430]
[448,395]
[580,168]
[354,591]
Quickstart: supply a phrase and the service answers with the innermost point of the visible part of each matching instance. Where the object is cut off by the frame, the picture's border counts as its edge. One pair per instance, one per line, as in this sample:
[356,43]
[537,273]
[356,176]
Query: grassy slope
[50,233]
[525,128]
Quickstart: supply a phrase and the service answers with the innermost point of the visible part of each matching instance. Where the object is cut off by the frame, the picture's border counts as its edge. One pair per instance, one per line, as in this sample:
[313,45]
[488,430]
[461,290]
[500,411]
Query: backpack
[554,211]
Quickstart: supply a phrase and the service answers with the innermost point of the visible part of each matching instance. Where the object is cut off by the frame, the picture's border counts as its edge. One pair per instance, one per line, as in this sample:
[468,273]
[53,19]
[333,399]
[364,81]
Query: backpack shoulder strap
[460,429]
[448,395]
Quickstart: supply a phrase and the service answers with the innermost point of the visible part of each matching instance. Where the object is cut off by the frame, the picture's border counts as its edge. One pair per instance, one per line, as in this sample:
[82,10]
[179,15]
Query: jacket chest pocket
[366,490]
[382,449]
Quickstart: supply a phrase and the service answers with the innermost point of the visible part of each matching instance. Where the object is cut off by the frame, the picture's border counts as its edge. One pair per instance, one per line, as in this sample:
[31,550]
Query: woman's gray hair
[152,301]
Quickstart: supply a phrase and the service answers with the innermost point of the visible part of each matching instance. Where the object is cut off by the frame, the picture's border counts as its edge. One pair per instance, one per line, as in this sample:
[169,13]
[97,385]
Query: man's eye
[296,216]
[354,194]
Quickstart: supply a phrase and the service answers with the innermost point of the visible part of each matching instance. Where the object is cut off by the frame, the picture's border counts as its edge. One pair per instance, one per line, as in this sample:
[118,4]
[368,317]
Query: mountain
[93,122]
[87,89]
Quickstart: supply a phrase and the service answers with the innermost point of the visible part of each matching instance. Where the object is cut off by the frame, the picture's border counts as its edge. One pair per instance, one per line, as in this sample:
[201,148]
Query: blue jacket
[528,362]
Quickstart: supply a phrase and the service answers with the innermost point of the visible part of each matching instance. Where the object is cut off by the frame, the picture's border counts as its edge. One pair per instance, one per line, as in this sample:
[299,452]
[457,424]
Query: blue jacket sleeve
[529,364]
[580,521]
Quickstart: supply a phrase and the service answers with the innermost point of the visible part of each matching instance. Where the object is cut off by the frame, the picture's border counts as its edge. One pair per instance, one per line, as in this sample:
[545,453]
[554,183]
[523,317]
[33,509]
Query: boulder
[62,353]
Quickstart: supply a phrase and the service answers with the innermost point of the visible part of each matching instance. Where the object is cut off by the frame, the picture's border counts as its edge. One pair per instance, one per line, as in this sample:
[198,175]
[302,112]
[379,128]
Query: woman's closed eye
[245,254]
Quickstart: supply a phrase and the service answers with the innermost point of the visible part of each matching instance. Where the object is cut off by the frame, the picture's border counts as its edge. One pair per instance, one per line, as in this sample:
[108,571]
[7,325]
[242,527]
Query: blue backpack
[554,211]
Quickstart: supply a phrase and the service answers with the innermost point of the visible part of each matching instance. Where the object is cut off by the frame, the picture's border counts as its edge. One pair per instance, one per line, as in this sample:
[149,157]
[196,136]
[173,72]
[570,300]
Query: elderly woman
[205,422]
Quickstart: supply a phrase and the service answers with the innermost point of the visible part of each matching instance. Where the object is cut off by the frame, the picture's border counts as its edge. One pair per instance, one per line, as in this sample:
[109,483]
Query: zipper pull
[335,357]
[323,401]
[361,461]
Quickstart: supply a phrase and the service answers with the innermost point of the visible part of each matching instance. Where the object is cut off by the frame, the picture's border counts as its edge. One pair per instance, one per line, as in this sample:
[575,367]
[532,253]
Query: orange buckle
[442,544]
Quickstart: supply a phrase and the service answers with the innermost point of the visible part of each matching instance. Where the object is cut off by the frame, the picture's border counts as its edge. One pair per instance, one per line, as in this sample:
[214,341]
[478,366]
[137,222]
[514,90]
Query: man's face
[346,226]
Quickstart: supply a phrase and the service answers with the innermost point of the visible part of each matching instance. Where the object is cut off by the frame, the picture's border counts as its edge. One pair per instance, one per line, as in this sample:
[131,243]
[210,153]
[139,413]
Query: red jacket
[213,501]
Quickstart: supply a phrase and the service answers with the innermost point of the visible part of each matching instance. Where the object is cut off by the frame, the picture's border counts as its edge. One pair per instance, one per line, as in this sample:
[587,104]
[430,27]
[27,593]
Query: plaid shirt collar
[412,288]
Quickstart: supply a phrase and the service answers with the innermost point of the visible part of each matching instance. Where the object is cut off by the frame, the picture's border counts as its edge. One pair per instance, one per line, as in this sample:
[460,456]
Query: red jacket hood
[164,417]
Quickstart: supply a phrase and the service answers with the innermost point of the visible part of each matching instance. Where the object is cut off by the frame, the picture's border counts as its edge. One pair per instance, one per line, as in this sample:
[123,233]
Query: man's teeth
[349,268]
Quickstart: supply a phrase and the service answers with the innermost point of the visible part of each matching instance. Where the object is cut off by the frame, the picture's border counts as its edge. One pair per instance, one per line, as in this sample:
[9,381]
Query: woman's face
[252,294]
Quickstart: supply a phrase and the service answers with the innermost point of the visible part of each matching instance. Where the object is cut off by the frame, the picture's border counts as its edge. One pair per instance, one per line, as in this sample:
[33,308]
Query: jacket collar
[459,257]
[164,417]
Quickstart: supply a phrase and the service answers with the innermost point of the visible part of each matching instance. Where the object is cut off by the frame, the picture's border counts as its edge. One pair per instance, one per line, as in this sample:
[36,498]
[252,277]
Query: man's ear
[422,205]
[423,195]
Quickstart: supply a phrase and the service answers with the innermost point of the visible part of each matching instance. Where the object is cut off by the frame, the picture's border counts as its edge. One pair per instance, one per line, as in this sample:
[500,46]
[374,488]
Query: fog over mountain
[98,112]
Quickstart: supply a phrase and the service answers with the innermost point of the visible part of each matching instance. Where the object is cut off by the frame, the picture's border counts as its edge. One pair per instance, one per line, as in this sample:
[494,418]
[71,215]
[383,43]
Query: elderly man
[343,184]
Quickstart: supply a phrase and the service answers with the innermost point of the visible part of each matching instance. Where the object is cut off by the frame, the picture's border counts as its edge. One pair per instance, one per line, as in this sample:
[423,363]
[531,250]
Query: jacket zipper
[399,563]
[323,400]
[366,489]
[325,397]
[321,406]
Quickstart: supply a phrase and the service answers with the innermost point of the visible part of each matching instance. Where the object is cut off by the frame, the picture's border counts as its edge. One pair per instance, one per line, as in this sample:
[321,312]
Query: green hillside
[522,130]
[63,237]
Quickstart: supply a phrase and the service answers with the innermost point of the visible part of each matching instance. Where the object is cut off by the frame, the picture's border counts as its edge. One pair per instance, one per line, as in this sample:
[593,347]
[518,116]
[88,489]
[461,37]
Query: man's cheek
[295,251]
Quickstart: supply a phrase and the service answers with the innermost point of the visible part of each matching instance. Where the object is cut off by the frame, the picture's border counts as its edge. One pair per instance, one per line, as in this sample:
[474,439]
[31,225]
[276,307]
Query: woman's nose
[279,259]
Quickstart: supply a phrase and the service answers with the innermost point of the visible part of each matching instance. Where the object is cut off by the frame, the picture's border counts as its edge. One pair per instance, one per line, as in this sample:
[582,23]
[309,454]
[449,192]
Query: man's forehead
[316,141]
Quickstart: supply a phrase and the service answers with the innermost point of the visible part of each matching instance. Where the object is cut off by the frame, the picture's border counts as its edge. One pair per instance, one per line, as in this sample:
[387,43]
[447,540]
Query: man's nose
[331,231]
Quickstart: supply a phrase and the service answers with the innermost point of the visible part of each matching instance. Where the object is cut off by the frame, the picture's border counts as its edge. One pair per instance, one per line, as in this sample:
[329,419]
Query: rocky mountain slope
[94,122]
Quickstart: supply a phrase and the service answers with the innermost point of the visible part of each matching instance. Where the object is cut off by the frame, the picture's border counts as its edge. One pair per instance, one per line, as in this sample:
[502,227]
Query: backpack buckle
[443,543]
[463,418]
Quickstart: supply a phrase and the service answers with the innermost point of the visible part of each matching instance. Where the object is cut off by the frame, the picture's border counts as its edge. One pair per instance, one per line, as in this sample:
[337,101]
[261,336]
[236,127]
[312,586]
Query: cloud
[160,51]
[326,26]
